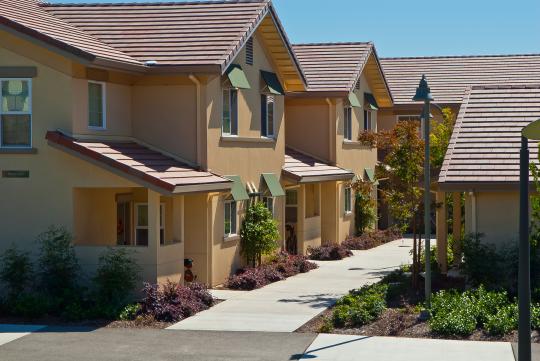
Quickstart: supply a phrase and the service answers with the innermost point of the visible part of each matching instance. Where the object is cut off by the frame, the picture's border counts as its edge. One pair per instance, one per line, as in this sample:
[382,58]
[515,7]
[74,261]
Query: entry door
[291,220]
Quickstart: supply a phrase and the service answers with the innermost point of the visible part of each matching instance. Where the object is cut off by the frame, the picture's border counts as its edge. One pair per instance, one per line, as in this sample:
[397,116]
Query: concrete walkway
[286,305]
[327,347]
[10,333]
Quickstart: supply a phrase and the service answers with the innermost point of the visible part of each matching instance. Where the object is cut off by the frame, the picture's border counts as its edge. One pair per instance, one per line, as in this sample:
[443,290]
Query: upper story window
[348,199]
[16,113]
[230,217]
[369,122]
[249,51]
[347,124]
[229,124]
[267,115]
[96,105]
[269,203]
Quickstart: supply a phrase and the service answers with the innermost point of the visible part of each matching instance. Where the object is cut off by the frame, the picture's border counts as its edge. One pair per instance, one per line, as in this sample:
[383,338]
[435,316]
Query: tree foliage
[365,211]
[439,138]
[259,234]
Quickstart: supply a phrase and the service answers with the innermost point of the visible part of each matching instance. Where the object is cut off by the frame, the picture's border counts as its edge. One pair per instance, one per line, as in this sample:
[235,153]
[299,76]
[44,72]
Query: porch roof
[303,168]
[140,164]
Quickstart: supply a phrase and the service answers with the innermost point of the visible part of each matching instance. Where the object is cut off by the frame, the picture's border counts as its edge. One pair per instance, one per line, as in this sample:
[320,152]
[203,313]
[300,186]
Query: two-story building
[148,126]
[346,87]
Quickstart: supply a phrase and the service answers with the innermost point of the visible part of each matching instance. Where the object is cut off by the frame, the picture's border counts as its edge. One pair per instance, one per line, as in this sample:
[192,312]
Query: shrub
[248,279]
[488,303]
[365,210]
[453,314]
[29,305]
[535,316]
[130,312]
[258,234]
[504,321]
[372,239]
[15,271]
[116,276]
[360,306]
[57,261]
[173,302]
[329,252]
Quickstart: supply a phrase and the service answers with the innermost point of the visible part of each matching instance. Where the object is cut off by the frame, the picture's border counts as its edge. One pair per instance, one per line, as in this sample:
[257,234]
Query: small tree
[365,212]
[440,138]
[15,271]
[259,234]
[58,263]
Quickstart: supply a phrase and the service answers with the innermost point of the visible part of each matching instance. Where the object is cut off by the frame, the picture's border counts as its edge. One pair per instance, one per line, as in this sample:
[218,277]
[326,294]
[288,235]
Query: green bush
[360,306]
[453,313]
[29,305]
[15,271]
[365,210]
[504,321]
[488,303]
[130,312]
[58,265]
[259,234]
[116,277]
[535,316]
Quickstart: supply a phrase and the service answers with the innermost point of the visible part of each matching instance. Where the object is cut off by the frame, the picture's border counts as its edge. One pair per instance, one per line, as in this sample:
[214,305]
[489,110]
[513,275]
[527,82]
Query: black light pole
[423,93]
[531,131]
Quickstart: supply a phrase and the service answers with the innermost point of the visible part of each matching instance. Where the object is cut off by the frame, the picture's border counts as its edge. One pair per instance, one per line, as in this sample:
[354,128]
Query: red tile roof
[449,76]
[141,164]
[485,144]
[303,168]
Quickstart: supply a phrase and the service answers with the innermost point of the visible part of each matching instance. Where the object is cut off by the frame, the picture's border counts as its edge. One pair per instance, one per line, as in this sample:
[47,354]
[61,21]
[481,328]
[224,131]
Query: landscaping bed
[372,239]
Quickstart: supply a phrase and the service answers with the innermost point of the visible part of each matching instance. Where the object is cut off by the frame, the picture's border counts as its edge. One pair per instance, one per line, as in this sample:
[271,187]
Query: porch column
[442,232]
[456,227]
[178,228]
[153,229]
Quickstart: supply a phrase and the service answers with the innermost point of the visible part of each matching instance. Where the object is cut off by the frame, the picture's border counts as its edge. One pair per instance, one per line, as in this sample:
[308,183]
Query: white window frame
[347,123]
[136,222]
[233,232]
[29,112]
[368,121]
[345,191]
[230,133]
[269,202]
[270,131]
[103,105]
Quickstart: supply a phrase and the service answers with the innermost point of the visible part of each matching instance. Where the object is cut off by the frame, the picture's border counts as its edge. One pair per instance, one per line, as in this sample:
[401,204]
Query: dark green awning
[353,101]
[273,185]
[371,102]
[272,82]
[370,174]
[237,77]
[238,190]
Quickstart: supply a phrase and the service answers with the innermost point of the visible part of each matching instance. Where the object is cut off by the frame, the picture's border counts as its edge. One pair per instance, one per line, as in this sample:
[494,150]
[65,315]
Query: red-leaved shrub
[372,239]
[173,302]
[329,252]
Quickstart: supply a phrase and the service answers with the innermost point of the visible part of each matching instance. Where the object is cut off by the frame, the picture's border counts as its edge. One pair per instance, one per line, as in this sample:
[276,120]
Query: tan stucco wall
[388,116]
[494,214]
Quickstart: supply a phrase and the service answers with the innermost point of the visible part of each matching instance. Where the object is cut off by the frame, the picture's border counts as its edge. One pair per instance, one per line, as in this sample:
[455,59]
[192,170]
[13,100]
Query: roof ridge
[336,43]
[458,56]
[149,3]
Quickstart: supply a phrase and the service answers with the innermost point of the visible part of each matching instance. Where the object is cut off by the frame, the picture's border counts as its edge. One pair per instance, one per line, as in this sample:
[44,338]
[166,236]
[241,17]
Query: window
[16,113]
[291,205]
[230,217]
[312,200]
[267,115]
[96,105]
[249,51]
[123,223]
[368,120]
[348,200]
[347,127]
[141,224]
[230,112]
[269,203]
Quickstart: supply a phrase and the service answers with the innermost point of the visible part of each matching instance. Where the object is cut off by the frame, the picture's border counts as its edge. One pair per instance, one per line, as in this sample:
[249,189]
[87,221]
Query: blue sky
[414,28]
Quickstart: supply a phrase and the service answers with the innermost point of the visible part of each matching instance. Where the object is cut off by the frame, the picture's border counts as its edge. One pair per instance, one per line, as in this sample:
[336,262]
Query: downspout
[197,83]
[332,139]
[474,222]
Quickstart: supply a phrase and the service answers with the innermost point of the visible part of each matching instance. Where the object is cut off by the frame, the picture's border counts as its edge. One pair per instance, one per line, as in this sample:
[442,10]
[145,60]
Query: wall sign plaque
[15,174]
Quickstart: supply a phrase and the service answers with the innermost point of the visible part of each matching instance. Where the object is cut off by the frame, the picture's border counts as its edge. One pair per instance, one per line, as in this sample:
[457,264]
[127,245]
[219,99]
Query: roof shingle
[484,147]
[303,168]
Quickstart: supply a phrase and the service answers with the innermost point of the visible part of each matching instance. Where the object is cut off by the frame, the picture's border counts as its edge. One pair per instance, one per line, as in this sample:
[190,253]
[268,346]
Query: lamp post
[423,93]
[531,131]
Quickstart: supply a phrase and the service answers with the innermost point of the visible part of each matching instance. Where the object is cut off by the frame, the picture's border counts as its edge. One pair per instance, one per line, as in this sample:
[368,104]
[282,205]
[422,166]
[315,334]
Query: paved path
[328,347]
[10,333]
[286,305]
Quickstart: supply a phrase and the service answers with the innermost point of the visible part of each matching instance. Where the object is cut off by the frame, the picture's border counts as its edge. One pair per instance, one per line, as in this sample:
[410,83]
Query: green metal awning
[272,182]
[237,77]
[370,174]
[370,100]
[238,189]
[272,82]
[353,101]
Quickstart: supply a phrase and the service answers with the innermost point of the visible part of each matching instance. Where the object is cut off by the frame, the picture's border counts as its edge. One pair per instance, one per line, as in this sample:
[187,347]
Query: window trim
[29,112]
[368,120]
[265,200]
[103,105]
[349,189]
[347,123]
[229,90]
[136,220]
[231,233]
[269,132]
